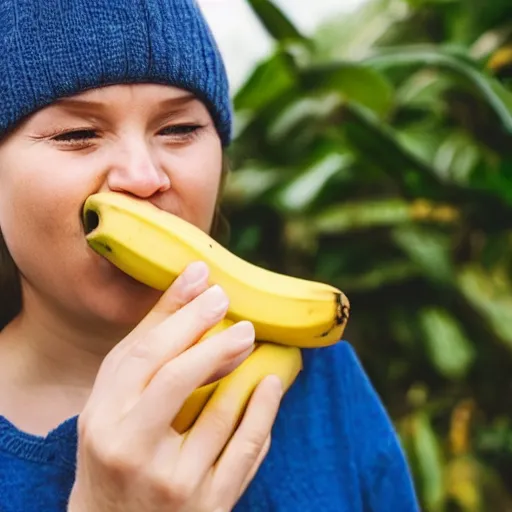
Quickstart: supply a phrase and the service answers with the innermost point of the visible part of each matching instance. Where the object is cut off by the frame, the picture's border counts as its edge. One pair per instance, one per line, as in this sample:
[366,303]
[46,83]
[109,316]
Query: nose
[135,170]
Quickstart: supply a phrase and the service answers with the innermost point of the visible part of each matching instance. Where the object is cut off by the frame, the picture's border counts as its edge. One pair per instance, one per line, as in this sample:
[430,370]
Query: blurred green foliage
[377,156]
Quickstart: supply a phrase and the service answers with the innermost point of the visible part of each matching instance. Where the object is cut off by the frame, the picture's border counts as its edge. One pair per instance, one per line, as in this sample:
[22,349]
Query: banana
[194,404]
[285,362]
[154,247]
[217,328]
[237,387]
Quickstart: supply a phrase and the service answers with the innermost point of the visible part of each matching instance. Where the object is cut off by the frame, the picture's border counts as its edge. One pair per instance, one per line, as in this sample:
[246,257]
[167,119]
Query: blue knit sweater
[333,450]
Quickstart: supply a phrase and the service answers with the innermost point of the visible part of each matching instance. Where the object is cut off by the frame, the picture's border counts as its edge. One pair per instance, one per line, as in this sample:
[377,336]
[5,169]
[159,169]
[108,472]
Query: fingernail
[275,382]
[218,299]
[244,334]
[239,359]
[195,273]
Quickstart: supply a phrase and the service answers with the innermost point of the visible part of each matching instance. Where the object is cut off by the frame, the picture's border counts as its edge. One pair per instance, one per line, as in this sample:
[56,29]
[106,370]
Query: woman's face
[150,141]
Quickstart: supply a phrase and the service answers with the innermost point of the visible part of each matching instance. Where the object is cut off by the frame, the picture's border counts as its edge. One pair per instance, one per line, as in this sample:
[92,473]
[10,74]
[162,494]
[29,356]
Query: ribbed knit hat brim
[56,48]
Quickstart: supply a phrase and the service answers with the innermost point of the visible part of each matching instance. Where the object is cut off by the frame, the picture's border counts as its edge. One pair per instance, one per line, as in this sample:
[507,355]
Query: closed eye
[181,130]
[76,135]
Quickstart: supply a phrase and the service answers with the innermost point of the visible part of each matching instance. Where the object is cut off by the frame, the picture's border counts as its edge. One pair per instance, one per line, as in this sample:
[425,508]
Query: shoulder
[339,373]
[324,362]
[344,392]
[335,389]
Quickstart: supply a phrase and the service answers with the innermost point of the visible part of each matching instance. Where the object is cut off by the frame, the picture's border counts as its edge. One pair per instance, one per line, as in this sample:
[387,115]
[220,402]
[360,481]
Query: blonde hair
[10,282]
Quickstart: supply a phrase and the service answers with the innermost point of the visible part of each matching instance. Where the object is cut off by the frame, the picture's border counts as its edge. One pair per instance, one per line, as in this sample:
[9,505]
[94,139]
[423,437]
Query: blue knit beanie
[55,48]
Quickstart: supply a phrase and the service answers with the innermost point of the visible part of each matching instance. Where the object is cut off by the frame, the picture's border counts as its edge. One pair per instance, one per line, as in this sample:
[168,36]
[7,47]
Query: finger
[166,393]
[230,366]
[256,466]
[169,339]
[242,455]
[188,285]
[214,427]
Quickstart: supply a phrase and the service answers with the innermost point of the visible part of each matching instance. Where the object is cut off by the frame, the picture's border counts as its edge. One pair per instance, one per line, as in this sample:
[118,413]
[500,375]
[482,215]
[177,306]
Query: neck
[45,359]
[50,356]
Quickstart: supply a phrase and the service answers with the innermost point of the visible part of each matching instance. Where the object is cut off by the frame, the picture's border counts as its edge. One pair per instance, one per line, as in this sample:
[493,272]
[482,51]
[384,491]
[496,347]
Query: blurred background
[374,151]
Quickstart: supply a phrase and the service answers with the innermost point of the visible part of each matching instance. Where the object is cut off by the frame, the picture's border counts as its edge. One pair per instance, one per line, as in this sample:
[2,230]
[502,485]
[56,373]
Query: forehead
[143,100]
[129,94]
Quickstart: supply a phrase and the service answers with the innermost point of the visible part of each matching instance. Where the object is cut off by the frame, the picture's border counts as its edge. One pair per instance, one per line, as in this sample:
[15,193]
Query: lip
[81,218]
[110,271]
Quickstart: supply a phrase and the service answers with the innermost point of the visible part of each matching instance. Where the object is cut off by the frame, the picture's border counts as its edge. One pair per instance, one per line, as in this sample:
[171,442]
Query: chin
[122,306]
[116,299]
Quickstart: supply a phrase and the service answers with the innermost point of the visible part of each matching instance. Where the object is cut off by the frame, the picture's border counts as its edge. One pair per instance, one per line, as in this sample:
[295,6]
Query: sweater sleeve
[383,469]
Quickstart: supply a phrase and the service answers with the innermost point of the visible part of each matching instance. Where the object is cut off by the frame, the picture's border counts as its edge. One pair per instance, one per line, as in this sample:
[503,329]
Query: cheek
[40,203]
[196,183]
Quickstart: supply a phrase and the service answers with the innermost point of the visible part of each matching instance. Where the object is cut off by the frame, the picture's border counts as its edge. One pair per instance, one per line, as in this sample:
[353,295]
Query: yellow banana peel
[288,313]
[154,247]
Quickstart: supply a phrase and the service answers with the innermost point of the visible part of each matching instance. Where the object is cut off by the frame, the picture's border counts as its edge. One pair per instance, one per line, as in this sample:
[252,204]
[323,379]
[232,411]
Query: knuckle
[180,490]
[170,377]
[109,451]
[88,428]
[257,440]
[141,349]
[116,458]
[160,486]
[182,293]
[205,313]
[266,447]
[252,447]
[221,418]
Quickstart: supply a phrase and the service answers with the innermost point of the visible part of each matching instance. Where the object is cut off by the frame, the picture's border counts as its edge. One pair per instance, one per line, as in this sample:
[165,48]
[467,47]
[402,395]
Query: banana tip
[342,308]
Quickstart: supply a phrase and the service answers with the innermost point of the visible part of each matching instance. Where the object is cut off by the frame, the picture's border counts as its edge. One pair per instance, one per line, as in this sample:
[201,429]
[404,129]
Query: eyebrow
[79,103]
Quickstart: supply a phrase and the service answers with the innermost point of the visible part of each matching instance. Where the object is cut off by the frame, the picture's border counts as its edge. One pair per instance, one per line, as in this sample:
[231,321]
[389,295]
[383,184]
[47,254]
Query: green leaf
[419,3]
[350,216]
[424,88]
[447,344]
[491,295]
[275,22]
[385,274]
[423,140]
[247,184]
[269,80]
[379,144]
[353,82]
[301,191]
[350,34]
[427,249]
[430,462]
[497,97]
[456,158]
[361,215]
[301,114]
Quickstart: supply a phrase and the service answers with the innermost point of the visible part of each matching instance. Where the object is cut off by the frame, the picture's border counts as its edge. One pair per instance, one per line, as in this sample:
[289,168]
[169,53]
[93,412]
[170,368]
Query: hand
[129,457]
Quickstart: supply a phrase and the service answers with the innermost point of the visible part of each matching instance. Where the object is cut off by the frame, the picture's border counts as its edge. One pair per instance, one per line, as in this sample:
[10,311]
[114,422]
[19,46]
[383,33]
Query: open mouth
[91,220]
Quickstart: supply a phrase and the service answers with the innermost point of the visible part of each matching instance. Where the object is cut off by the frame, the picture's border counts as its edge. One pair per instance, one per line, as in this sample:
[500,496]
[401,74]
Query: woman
[131,96]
